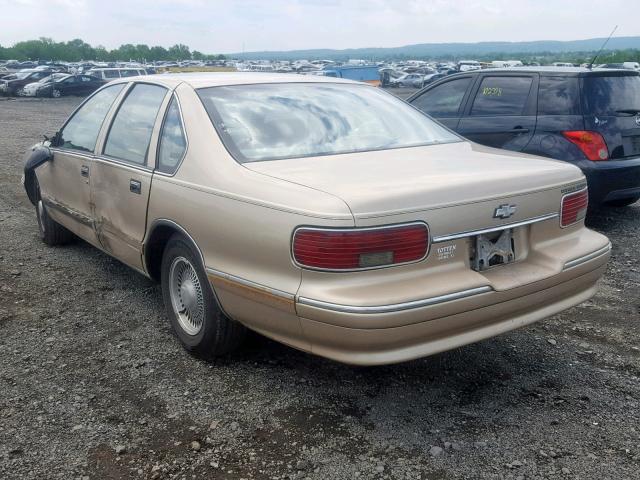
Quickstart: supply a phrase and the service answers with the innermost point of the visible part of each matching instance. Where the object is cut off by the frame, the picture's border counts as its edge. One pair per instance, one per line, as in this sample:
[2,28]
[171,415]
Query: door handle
[519,130]
[135,186]
[84,171]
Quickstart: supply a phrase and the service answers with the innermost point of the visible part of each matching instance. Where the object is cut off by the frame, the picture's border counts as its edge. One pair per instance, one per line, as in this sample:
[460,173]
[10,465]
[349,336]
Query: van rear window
[611,96]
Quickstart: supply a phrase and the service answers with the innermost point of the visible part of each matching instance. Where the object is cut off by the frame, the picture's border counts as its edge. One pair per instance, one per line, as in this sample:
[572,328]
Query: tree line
[76,50]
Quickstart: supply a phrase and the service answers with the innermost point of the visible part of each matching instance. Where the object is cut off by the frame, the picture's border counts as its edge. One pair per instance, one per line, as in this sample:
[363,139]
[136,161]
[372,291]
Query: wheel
[51,232]
[55,93]
[623,202]
[193,310]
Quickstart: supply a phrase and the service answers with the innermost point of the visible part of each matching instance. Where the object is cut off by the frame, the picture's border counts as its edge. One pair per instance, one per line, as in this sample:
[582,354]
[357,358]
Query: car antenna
[602,47]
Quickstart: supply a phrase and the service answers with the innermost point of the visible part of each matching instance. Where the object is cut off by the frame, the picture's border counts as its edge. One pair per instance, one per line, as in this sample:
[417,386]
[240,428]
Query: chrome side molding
[586,258]
[396,307]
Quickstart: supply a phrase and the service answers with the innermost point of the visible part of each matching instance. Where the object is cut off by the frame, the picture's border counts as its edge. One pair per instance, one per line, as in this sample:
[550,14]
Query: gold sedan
[323,213]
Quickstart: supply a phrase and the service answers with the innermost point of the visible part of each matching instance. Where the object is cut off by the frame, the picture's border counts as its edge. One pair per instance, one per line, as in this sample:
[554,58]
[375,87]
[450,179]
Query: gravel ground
[94,386]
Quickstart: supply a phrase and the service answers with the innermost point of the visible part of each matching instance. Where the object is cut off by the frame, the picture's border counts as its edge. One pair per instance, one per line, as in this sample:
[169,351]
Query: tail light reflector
[360,248]
[574,207]
[592,144]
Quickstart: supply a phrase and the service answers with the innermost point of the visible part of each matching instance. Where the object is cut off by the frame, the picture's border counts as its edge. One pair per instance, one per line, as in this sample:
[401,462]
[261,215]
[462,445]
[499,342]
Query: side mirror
[56,140]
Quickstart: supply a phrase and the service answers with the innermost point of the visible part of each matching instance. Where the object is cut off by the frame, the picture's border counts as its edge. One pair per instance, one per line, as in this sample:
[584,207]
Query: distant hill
[435,50]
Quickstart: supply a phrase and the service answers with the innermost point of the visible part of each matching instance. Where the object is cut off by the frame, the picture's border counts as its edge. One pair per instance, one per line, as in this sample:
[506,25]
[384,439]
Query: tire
[51,232]
[55,93]
[194,313]
[623,202]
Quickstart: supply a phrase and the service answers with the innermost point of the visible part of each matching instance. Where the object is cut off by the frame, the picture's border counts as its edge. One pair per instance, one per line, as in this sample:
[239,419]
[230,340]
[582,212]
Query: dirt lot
[93,384]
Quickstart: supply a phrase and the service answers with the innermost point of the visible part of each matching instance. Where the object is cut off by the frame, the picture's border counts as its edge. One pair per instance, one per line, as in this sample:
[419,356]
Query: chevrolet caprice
[323,213]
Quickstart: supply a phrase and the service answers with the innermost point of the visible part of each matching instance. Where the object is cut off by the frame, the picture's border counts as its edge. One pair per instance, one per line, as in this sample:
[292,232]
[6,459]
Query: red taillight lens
[335,249]
[591,143]
[574,207]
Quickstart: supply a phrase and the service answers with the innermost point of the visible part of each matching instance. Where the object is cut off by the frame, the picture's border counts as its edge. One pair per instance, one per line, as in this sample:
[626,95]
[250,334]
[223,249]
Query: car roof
[217,79]
[555,71]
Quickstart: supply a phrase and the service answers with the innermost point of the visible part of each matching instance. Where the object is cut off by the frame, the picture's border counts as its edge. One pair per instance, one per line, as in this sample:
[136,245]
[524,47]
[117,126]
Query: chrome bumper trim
[396,307]
[586,258]
[472,233]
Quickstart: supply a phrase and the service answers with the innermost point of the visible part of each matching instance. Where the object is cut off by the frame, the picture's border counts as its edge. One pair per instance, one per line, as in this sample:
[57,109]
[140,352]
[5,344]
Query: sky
[218,26]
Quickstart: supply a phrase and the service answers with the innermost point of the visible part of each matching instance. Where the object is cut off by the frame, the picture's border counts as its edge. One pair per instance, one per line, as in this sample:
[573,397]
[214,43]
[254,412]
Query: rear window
[559,96]
[502,96]
[288,120]
[611,96]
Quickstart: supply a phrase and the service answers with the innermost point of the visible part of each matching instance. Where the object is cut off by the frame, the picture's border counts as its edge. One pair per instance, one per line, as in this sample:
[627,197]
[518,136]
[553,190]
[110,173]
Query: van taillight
[574,207]
[592,144]
[360,248]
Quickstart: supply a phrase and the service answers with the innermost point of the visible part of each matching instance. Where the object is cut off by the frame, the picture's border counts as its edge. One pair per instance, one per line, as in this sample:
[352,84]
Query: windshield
[288,120]
[613,96]
[22,75]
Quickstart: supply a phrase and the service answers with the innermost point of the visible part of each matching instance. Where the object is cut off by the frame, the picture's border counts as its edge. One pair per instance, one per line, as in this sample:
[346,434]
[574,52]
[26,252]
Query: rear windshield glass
[614,96]
[289,120]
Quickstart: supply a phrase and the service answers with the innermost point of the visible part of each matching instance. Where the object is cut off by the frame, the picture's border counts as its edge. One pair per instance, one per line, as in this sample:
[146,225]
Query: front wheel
[55,93]
[51,232]
[623,202]
[192,308]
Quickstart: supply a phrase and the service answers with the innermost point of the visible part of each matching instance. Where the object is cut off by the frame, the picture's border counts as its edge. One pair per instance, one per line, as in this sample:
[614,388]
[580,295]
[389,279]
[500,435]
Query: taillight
[360,248]
[592,144]
[574,207]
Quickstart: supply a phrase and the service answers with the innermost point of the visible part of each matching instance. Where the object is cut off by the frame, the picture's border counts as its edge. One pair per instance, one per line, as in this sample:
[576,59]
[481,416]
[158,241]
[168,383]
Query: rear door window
[111,74]
[445,99]
[172,140]
[611,96]
[506,95]
[559,96]
[81,132]
[132,126]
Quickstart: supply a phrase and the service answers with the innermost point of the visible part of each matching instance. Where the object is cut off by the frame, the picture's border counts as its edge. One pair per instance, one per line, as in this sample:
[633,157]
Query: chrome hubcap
[56,93]
[186,295]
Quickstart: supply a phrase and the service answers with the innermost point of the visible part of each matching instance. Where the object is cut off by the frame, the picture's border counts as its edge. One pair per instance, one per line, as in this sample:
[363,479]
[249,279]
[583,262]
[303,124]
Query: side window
[111,74]
[81,132]
[443,100]
[132,126]
[559,96]
[502,96]
[172,140]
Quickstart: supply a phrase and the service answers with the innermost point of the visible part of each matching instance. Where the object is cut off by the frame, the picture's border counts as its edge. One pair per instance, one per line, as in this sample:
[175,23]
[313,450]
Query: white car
[31,89]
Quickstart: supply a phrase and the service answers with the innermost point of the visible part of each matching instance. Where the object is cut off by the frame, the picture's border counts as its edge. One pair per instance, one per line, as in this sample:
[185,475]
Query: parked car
[79,85]
[13,84]
[113,73]
[31,89]
[429,79]
[407,80]
[324,213]
[588,118]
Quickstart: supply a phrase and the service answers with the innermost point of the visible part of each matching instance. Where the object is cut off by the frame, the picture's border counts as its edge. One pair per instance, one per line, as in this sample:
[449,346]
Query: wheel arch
[160,232]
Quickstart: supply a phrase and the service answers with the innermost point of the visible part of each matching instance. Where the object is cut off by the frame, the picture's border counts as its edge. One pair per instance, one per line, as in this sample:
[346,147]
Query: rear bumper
[436,324]
[399,344]
[612,180]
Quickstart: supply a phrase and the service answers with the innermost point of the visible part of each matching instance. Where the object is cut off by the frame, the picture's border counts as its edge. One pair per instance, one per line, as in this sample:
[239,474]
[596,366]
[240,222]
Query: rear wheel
[51,232]
[193,310]
[623,202]
[55,93]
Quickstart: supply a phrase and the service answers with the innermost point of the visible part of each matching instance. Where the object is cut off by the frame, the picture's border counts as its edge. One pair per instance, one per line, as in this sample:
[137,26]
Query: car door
[501,112]
[445,100]
[121,176]
[65,181]
[67,86]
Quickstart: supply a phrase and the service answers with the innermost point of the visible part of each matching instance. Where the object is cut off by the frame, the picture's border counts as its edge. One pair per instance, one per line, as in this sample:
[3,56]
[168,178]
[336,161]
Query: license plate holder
[492,250]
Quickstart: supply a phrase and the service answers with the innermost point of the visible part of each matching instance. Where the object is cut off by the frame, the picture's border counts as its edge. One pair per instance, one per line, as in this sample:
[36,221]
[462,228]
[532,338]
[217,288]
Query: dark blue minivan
[590,118]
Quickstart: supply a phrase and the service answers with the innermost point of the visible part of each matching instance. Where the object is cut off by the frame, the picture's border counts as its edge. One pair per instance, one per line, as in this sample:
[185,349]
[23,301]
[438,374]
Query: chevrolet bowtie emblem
[504,211]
